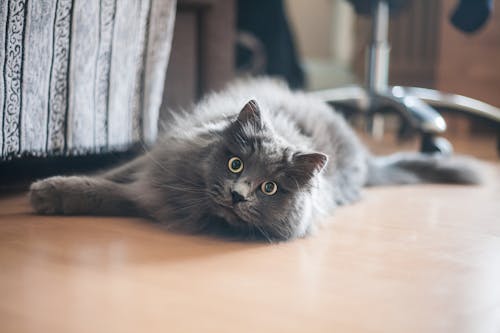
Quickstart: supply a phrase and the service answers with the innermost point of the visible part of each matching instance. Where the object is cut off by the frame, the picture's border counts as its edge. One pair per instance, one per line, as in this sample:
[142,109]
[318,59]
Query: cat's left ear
[250,114]
[305,166]
[310,162]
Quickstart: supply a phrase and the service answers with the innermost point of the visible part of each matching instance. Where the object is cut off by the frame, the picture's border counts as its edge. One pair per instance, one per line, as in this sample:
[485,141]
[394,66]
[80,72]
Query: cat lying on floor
[254,161]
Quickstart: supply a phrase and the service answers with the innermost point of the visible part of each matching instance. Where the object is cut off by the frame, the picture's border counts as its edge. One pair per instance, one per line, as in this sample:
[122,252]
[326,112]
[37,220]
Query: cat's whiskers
[286,230]
[195,200]
[283,229]
[200,203]
[184,189]
[178,188]
[188,190]
[189,206]
[252,214]
[264,233]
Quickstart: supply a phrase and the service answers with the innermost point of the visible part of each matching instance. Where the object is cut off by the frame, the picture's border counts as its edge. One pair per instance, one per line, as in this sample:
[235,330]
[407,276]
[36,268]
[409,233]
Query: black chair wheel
[436,144]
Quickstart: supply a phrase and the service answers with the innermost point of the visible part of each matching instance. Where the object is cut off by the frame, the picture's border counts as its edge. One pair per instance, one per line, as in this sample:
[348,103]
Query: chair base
[416,105]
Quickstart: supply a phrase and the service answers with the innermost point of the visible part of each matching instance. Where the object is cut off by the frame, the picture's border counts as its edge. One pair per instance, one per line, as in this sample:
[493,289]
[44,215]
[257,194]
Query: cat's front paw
[45,196]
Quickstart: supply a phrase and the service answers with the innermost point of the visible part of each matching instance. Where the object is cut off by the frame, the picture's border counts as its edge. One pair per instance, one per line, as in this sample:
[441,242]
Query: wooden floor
[409,259]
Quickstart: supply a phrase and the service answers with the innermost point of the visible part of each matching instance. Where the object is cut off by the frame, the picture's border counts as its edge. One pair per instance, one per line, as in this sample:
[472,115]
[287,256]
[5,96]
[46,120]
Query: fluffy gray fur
[289,138]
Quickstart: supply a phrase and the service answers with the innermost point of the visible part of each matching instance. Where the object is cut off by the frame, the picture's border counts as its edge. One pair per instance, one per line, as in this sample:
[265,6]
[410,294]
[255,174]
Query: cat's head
[258,183]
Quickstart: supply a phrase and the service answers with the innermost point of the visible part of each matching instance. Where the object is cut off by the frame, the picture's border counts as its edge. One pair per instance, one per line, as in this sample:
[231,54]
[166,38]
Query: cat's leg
[80,195]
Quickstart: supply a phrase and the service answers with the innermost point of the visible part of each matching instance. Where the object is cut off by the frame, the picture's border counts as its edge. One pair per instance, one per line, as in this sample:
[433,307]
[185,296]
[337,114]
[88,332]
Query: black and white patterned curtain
[81,76]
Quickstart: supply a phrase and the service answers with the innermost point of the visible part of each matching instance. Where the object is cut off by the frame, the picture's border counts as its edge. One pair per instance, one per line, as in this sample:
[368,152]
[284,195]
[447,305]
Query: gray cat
[254,161]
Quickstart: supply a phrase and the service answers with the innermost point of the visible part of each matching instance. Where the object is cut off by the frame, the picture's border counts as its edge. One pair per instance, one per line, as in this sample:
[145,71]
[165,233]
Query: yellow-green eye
[235,164]
[269,188]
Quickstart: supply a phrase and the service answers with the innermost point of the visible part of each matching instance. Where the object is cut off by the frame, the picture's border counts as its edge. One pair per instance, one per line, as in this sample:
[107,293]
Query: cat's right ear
[250,114]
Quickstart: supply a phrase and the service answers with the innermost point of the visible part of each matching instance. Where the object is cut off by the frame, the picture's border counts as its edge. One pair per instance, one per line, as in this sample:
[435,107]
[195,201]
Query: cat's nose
[237,197]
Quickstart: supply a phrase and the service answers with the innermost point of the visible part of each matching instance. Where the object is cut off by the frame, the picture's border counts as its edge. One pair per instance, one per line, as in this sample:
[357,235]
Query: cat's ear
[250,114]
[310,162]
[304,166]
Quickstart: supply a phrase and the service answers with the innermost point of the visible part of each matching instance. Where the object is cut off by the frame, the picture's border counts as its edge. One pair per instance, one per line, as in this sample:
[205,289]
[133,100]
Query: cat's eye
[269,188]
[235,164]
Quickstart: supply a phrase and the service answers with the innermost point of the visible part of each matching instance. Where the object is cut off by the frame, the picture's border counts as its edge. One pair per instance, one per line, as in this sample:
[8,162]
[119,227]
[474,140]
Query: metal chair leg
[454,102]
[417,113]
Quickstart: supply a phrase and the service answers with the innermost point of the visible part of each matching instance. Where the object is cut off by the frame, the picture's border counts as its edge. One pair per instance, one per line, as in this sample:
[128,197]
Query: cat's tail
[414,168]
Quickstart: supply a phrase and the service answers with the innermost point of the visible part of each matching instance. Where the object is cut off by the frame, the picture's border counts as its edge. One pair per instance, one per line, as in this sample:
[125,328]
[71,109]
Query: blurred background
[426,50]
[322,44]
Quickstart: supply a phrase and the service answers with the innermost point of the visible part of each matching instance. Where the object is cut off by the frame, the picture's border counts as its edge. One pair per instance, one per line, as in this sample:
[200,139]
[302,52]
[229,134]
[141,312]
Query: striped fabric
[81,76]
